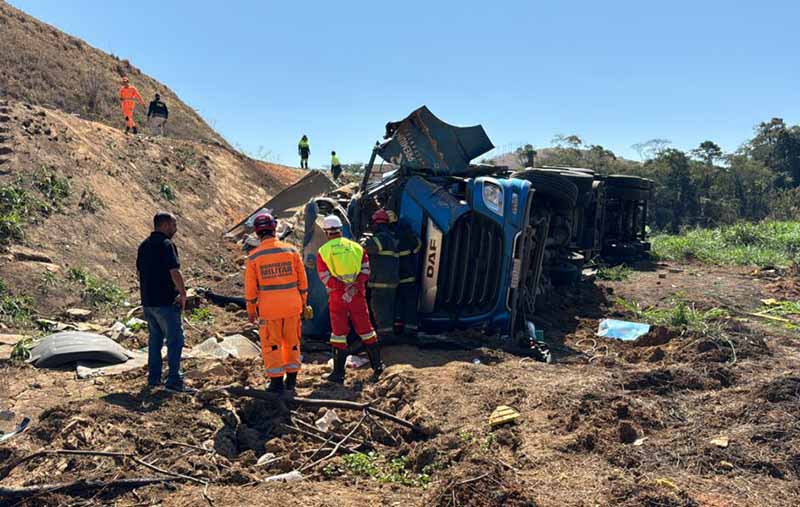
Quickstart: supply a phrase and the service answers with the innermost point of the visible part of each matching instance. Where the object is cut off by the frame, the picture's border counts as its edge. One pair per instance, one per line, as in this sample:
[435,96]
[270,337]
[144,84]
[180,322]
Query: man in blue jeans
[164,299]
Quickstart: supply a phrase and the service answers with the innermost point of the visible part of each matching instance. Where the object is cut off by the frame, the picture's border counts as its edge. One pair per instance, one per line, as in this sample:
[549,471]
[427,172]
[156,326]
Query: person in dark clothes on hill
[157,115]
[163,300]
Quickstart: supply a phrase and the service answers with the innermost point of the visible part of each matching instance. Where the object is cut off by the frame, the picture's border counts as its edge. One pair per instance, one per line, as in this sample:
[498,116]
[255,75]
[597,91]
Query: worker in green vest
[336,166]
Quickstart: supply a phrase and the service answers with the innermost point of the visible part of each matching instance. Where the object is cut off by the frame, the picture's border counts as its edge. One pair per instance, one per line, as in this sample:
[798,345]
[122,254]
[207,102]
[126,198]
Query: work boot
[127,129]
[291,383]
[337,374]
[374,354]
[135,130]
[276,385]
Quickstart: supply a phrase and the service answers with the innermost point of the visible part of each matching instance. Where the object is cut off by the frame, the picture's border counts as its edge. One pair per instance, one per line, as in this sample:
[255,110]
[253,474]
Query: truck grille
[470,267]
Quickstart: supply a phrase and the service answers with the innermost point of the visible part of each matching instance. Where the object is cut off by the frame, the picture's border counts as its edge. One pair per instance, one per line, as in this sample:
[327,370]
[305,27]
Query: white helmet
[331,222]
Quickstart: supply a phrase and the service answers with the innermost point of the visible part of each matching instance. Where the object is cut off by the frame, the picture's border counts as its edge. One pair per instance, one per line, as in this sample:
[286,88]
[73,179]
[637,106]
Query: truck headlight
[493,197]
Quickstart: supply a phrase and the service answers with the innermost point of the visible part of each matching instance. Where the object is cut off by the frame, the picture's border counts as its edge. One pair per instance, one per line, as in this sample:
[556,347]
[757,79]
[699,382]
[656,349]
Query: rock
[662,275]
[225,443]
[249,438]
[11,339]
[21,253]
[657,355]
[627,433]
[726,465]
[275,446]
[78,314]
[232,307]
[266,458]
[658,335]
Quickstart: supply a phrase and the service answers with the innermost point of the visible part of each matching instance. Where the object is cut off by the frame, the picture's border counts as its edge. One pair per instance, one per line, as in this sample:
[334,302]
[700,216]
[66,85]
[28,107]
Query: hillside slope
[83,194]
[41,65]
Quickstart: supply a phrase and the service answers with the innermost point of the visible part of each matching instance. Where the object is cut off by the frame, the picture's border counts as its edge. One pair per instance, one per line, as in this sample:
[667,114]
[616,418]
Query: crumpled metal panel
[423,142]
[443,208]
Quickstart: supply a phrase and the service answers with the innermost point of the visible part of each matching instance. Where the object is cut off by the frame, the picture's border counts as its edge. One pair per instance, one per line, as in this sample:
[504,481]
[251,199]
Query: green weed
[53,187]
[16,204]
[680,315]
[166,191]
[90,202]
[768,243]
[201,316]
[96,291]
[614,273]
[14,309]
[387,471]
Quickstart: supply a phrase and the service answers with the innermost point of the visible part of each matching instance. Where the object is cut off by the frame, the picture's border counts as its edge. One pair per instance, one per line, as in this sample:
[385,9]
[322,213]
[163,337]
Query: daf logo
[430,268]
[432,260]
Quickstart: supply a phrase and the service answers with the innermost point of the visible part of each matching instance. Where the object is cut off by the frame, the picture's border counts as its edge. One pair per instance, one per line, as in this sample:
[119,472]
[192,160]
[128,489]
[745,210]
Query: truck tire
[581,180]
[560,190]
[629,193]
[621,180]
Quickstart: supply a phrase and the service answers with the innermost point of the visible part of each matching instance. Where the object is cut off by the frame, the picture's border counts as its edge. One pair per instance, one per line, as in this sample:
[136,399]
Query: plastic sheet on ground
[86,370]
[235,345]
[622,329]
[19,429]
[353,361]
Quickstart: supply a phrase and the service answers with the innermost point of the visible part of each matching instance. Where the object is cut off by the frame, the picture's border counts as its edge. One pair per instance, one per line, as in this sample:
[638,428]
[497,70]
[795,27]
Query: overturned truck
[495,241]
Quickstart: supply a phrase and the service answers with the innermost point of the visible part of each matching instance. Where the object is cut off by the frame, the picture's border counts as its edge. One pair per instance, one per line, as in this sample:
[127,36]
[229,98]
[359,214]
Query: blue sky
[614,72]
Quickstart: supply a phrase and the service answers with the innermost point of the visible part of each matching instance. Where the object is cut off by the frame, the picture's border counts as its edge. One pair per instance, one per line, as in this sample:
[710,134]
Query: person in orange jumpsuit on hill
[276,290]
[343,267]
[128,95]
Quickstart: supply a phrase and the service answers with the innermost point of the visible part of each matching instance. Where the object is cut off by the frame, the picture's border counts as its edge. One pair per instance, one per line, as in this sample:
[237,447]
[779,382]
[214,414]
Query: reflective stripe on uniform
[410,279]
[324,276]
[403,253]
[291,366]
[378,285]
[381,251]
[338,339]
[270,251]
[367,336]
[290,285]
[275,371]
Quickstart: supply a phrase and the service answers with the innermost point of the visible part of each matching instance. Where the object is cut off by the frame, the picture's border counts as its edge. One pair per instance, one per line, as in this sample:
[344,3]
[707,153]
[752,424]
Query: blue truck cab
[479,263]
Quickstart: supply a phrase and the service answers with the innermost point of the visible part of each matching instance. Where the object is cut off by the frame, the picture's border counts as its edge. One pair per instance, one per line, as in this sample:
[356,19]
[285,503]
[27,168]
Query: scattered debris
[328,421]
[67,347]
[292,476]
[237,346]
[79,314]
[503,415]
[90,370]
[622,329]
[23,424]
[721,441]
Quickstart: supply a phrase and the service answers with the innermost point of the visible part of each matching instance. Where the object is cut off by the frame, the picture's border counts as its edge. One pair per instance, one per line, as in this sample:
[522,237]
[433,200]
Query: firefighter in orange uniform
[276,291]
[128,95]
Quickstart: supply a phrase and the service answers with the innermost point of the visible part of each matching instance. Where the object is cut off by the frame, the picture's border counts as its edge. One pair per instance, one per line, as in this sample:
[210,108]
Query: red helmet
[380,217]
[264,222]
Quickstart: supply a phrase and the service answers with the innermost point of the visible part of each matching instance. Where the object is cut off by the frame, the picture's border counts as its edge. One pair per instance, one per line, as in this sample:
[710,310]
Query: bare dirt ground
[676,423]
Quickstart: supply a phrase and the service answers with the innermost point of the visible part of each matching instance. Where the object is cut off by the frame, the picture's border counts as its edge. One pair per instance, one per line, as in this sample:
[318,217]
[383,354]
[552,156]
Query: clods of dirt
[668,380]
[783,389]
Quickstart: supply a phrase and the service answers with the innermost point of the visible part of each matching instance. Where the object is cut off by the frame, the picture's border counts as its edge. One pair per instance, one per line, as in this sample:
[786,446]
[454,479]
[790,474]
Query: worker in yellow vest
[343,267]
[304,150]
[336,166]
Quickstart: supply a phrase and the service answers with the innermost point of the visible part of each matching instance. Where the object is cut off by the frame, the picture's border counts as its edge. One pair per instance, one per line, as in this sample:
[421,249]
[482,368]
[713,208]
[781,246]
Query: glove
[308,313]
[347,297]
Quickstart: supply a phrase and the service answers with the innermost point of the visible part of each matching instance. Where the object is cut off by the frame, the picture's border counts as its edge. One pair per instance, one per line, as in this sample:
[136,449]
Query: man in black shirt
[163,298]
[157,115]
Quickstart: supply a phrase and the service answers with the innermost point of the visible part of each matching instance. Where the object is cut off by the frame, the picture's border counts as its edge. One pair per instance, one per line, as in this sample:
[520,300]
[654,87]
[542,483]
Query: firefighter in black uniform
[384,273]
[408,249]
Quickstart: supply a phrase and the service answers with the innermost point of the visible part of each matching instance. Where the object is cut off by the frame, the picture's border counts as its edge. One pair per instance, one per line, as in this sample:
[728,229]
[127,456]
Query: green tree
[777,146]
